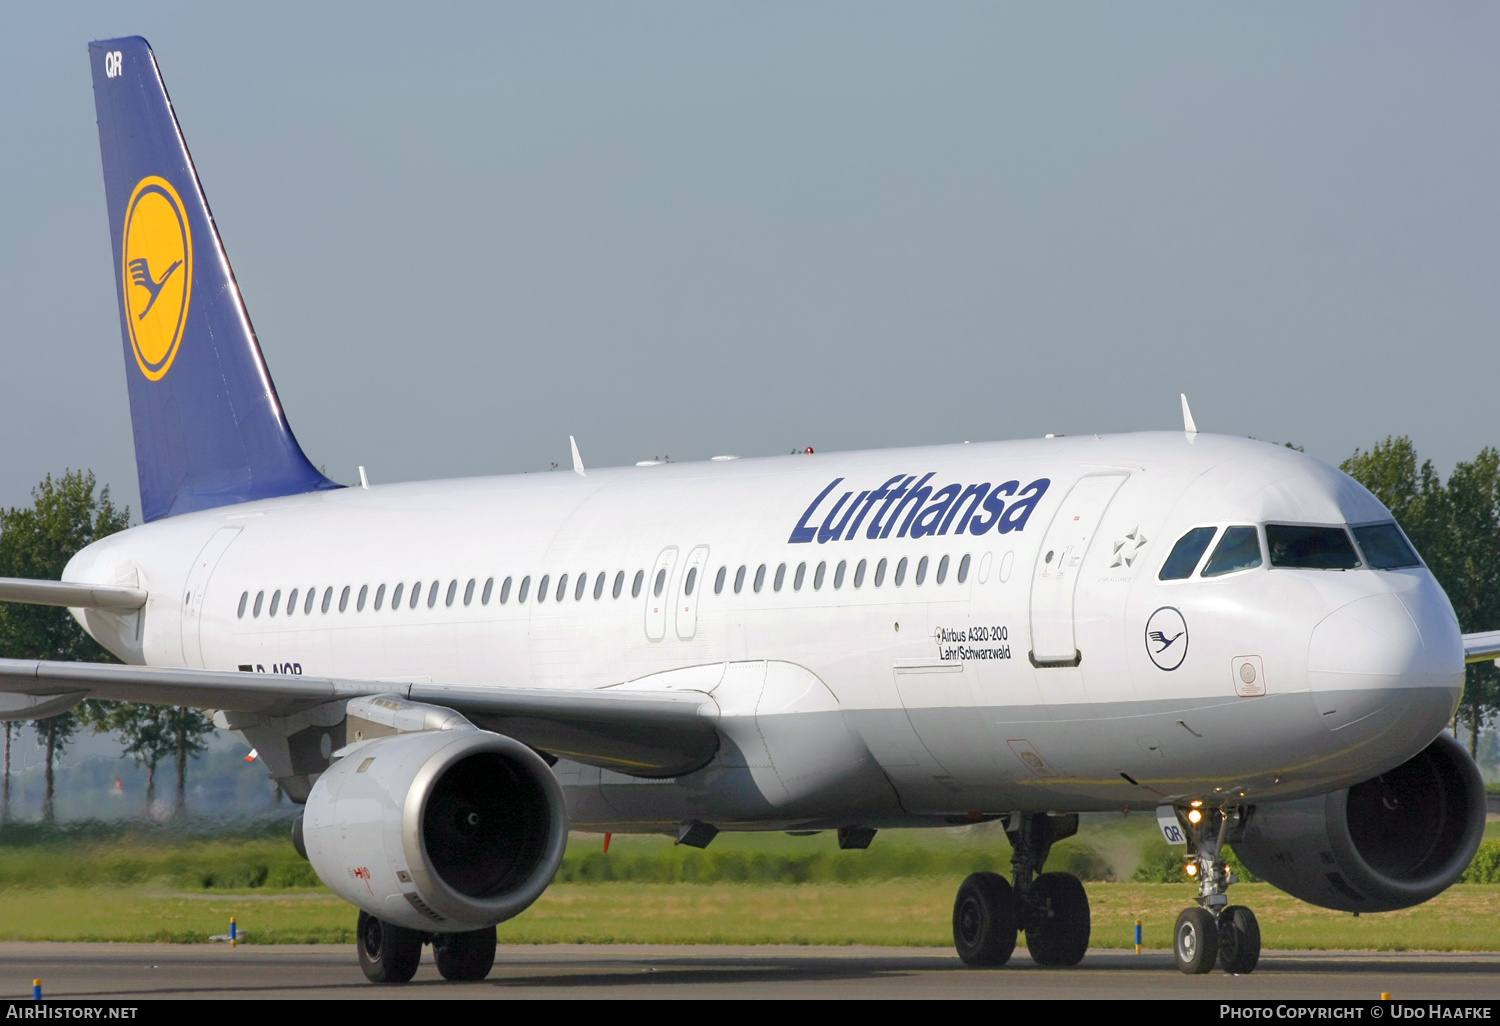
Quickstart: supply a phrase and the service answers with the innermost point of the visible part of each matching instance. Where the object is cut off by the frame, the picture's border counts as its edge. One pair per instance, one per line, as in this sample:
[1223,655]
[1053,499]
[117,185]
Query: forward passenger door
[1058,563]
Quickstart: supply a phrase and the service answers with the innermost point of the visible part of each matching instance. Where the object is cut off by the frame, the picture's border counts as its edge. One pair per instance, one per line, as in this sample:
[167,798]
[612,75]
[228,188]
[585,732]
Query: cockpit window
[1385,547]
[1310,548]
[1186,553]
[1239,549]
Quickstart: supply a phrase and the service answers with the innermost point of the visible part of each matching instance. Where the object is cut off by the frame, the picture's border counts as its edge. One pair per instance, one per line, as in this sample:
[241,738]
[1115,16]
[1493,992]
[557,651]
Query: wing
[649,733]
[61,593]
[1479,648]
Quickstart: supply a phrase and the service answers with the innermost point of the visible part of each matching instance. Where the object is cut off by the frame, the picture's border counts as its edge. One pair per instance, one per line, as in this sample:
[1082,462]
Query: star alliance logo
[1128,548]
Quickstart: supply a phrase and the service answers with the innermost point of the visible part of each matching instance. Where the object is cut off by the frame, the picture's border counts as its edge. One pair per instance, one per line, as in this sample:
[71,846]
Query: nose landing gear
[1216,932]
[1052,908]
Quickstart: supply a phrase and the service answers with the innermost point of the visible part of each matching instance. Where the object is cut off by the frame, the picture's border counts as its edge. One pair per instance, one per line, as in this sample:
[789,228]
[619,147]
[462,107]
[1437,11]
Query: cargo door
[1058,563]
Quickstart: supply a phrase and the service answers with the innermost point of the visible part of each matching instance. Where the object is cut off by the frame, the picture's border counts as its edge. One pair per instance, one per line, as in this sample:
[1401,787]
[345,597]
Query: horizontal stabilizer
[650,734]
[78,596]
[1479,648]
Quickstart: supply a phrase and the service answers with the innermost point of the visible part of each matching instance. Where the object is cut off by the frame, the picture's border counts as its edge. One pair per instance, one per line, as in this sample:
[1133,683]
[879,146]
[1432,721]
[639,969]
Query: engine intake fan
[1388,843]
[442,830]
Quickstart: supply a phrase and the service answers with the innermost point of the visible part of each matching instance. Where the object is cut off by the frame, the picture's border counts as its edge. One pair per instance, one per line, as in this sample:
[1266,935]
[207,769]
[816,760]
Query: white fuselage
[1354,671]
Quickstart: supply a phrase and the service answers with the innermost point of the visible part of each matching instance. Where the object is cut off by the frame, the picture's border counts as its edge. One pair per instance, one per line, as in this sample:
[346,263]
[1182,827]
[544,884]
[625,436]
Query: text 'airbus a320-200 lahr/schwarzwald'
[451,674]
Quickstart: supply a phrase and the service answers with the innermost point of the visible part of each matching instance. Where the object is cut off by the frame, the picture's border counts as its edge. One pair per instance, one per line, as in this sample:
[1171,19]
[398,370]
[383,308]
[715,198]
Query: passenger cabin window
[818,576]
[275,602]
[963,569]
[1183,558]
[800,576]
[327,599]
[489,589]
[307,603]
[780,577]
[880,573]
[469,591]
[635,585]
[525,587]
[599,583]
[364,593]
[760,578]
[583,582]
[260,597]
[942,574]
[541,588]
[921,569]
[838,574]
[395,596]
[379,597]
[416,595]
[432,593]
[719,580]
[692,579]
[901,572]
[562,588]
[1238,549]
[661,582]
[1385,547]
[1305,547]
[859,573]
[739,579]
[344,599]
[505,591]
[291,602]
[619,584]
[244,598]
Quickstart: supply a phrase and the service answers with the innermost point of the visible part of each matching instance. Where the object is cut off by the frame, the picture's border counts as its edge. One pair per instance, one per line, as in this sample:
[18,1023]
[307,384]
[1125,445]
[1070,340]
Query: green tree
[187,731]
[37,541]
[10,728]
[143,731]
[1456,528]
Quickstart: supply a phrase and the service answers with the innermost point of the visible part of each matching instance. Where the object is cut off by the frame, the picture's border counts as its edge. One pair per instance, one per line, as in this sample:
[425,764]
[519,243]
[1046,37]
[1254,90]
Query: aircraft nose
[1373,669]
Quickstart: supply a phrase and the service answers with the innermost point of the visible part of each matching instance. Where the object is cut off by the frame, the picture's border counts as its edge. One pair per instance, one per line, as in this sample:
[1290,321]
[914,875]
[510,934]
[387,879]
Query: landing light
[1195,804]
[1191,869]
[1194,816]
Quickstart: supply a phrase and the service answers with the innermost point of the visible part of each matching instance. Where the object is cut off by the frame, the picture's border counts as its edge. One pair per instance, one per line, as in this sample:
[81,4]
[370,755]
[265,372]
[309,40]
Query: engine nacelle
[440,831]
[1391,842]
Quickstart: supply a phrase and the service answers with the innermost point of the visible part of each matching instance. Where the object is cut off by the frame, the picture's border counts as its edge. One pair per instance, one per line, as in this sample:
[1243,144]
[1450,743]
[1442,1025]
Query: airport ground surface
[154,971]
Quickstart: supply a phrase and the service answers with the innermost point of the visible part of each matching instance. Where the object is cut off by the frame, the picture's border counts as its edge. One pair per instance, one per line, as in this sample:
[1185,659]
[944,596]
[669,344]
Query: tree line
[37,541]
[1454,524]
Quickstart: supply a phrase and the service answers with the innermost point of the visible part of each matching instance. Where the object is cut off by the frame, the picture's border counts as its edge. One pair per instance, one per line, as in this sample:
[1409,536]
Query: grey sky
[465,232]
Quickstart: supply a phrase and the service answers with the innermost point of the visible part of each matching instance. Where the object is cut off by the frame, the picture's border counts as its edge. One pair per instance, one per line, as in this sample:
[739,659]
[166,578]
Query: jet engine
[1390,842]
[439,830]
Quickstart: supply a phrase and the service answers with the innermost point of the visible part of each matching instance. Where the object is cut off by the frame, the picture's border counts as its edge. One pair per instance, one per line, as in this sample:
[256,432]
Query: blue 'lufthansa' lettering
[920,510]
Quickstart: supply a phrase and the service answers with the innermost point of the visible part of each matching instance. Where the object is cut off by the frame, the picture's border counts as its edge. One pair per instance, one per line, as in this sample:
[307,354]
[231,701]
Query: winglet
[577,459]
[1187,418]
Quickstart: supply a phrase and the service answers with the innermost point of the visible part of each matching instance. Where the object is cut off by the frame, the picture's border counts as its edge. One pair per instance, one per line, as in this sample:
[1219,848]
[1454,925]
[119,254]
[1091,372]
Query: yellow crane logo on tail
[157,268]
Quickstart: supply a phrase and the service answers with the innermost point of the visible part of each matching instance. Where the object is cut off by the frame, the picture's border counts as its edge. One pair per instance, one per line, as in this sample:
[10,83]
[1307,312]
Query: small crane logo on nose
[1164,641]
[1166,638]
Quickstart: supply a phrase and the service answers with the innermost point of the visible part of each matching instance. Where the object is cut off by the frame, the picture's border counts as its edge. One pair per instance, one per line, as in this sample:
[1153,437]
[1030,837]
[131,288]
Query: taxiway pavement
[150,971]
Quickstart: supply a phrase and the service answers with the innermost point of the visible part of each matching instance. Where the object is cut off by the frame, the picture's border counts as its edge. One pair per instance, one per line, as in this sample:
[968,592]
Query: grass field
[895,912]
[134,884]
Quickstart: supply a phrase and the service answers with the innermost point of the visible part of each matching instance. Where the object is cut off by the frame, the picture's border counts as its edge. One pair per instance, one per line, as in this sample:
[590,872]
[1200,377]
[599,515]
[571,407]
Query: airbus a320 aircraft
[450,674]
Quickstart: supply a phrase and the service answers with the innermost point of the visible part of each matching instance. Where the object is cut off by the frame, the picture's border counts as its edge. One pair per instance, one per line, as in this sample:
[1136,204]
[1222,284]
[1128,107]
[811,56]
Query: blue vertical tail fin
[209,429]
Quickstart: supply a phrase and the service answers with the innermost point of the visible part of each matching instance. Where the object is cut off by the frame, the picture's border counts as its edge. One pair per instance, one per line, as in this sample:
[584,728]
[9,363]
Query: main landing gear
[1215,932]
[390,953]
[1051,908]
